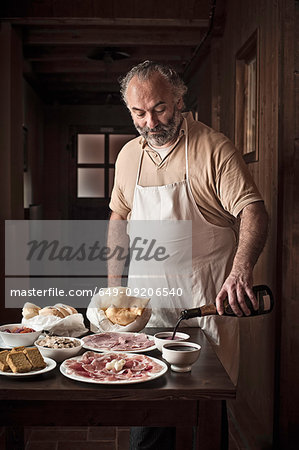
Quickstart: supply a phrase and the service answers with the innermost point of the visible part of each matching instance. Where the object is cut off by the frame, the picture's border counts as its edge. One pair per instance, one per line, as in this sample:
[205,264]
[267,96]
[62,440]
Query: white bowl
[17,339]
[60,354]
[164,337]
[181,355]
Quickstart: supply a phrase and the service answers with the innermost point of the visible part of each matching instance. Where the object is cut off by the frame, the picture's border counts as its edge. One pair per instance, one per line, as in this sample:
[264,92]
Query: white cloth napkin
[70,326]
[116,296]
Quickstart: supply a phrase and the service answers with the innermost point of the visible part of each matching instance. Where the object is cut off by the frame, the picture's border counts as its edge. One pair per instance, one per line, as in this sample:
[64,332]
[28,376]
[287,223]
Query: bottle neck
[208,310]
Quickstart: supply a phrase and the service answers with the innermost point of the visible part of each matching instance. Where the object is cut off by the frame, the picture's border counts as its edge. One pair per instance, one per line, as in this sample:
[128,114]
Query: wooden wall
[286,424]
[257,367]
[11,141]
[214,84]
[277,175]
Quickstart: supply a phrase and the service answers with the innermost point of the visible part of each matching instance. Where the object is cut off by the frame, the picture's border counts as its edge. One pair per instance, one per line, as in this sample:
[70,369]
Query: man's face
[155,112]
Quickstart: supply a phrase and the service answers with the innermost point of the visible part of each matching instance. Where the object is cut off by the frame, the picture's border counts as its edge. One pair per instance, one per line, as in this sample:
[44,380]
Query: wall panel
[255,402]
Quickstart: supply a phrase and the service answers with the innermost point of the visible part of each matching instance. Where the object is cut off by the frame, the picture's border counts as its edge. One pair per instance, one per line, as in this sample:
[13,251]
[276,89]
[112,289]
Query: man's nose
[152,120]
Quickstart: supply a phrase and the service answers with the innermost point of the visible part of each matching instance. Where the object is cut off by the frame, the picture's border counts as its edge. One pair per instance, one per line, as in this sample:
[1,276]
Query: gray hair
[146,69]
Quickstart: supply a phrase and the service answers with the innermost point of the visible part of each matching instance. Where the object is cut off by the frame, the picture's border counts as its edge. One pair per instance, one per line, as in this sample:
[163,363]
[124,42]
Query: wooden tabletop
[207,380]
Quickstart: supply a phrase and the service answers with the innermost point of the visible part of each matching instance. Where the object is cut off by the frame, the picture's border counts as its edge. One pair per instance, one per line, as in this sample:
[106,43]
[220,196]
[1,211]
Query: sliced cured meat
[118,341]
[103,367]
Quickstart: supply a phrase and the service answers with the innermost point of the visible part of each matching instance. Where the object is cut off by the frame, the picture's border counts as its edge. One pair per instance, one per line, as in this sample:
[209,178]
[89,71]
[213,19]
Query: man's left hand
[234,288]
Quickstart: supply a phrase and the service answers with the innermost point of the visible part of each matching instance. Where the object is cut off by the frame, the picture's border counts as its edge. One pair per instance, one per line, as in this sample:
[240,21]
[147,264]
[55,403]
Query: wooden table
[184,400]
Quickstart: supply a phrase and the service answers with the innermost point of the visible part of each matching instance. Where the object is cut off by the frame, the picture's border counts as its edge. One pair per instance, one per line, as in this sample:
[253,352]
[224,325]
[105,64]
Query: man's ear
[180,103]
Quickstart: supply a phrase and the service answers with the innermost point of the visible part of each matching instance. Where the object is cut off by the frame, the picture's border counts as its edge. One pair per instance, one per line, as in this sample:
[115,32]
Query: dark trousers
[152,438]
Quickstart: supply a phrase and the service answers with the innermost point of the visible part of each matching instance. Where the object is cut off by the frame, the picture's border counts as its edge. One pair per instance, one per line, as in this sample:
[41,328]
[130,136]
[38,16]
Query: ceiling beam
[89,66]
[105,22]
[102,36]
[99,86]
[73,52]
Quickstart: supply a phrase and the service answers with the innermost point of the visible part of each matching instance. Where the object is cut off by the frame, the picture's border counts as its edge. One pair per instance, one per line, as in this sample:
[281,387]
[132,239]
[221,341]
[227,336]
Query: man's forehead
[155,88]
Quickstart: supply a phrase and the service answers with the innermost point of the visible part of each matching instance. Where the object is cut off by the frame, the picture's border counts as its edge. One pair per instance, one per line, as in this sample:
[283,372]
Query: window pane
[116,142]
[91,183]
[251,106]
[111,180]
[91,148]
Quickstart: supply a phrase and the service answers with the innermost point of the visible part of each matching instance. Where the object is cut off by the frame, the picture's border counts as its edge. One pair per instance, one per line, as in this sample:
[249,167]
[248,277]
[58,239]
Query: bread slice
[3,364]
[50,311]
[63,311]
[69,308]
[30,310]
[123,316]
[18,362]
[35,358]
[17,349]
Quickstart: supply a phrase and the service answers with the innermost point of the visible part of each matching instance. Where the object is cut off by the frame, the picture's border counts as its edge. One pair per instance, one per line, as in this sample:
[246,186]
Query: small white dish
[17,339]
[181,355]
[164,337]
[60,354]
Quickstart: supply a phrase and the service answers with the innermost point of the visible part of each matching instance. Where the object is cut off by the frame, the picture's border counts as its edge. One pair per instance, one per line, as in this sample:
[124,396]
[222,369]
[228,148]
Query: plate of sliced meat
[113,368]
[119,342]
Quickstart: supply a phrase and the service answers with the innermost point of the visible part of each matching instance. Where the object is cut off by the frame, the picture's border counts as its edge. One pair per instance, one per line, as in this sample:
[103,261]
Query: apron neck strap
[186,149]
[139,167]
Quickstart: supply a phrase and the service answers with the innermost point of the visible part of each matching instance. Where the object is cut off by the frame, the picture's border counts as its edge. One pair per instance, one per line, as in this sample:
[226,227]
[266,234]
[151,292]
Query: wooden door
[92,156]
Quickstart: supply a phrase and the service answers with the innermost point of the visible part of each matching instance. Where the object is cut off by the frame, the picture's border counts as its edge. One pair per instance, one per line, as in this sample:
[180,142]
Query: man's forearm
[117,241]
[252,238]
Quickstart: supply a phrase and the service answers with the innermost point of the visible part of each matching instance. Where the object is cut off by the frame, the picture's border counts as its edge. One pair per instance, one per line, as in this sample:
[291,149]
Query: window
[246,106]
[96,156]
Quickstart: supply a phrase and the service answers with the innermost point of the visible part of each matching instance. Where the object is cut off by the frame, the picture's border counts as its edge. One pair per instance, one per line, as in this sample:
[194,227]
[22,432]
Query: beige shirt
[220,181]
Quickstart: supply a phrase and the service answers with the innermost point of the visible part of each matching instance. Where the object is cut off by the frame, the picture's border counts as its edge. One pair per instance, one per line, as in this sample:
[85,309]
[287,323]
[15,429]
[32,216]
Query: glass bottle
[262,293]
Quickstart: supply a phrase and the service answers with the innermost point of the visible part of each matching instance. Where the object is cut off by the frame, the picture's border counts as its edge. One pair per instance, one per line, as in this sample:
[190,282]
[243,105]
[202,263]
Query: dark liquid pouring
[176,327]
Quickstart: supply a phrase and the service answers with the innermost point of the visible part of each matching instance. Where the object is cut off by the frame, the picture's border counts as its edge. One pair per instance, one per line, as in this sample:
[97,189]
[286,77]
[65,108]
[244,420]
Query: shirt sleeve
[118,202]
[234,183]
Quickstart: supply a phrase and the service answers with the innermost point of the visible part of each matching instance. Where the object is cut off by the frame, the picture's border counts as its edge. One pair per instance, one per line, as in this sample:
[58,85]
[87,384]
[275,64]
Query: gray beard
[166,133]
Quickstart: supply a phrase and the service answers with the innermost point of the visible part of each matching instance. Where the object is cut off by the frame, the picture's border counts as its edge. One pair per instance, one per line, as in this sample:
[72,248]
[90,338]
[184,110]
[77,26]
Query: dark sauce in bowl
[180,348]
[170,338]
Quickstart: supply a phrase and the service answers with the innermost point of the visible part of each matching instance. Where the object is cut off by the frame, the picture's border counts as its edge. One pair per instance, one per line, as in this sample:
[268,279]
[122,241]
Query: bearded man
[180,169]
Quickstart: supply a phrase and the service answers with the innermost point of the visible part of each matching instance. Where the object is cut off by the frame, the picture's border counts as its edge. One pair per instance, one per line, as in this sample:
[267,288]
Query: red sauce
[20,330]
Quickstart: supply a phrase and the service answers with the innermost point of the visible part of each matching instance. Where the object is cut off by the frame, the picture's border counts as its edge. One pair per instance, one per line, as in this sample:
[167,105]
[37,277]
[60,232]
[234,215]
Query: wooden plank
[108,22]
[100,413]
[287,427]
[109,36]
[209,426]
[85,86]
[110,71]
[297,104]
[76,52]
[98,8]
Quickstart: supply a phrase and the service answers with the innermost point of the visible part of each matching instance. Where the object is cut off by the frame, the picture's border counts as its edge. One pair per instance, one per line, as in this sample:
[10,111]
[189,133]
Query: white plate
[90,380]
[105,350]
[51,364]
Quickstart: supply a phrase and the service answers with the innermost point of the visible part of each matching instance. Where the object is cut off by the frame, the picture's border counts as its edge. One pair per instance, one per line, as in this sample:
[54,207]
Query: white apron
[213,249]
